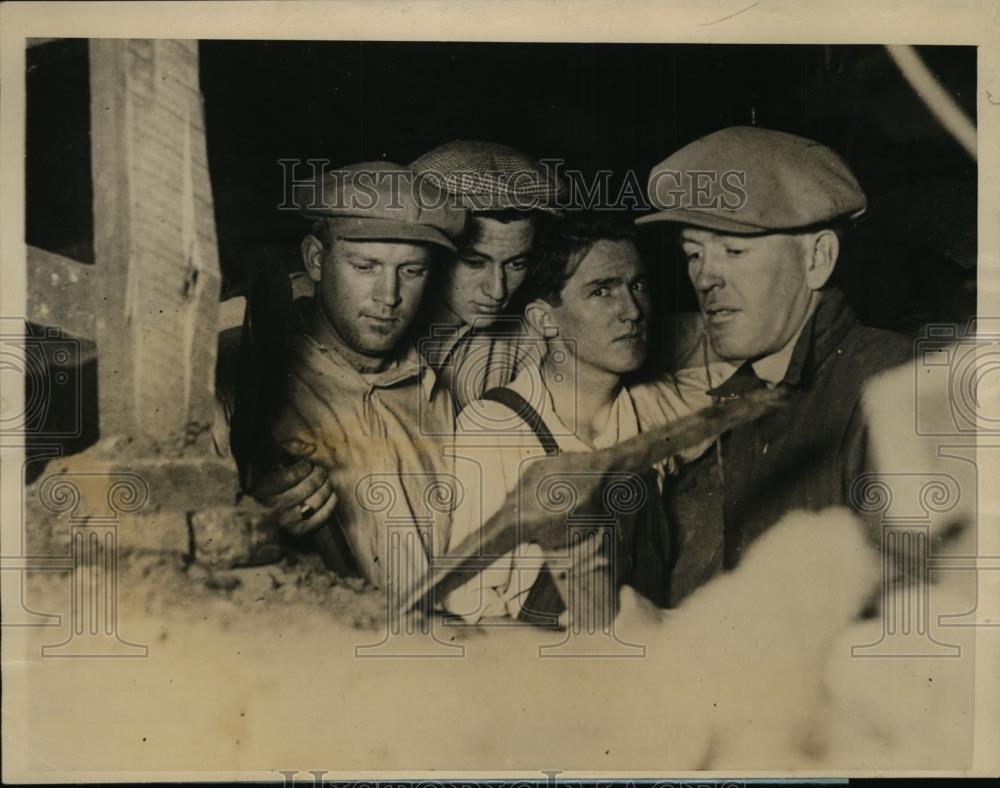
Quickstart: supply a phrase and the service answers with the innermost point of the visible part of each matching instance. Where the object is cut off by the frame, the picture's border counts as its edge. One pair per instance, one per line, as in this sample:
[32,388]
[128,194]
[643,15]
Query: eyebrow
[362,258]
[609,280]
[473,253]
[486,258]
[374,260]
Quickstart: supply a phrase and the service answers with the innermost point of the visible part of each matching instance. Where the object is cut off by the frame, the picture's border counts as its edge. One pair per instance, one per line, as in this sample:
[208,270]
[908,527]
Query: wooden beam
[109,135]
[61,293]
[154,239]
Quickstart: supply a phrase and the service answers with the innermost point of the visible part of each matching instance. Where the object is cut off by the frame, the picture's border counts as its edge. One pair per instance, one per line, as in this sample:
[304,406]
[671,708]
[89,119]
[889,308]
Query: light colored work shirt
[493,446]
[469,359]
[379,436]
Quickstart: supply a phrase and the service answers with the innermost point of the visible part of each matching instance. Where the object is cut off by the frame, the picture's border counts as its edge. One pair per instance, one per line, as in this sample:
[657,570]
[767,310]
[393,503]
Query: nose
[631,309]
[495,283]
[385,291]
[706,273]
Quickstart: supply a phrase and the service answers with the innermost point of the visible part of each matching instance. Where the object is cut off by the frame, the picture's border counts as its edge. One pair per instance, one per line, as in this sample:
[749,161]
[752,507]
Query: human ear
[538,315]
[312,257]
[821,255]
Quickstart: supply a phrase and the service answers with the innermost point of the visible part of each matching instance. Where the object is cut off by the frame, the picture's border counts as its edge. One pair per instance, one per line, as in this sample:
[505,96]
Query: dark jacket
[807,455]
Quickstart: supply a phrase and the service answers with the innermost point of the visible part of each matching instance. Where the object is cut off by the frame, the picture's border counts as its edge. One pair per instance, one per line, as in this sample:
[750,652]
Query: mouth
[635,336]
[488,309]
[383,322]
[717,313]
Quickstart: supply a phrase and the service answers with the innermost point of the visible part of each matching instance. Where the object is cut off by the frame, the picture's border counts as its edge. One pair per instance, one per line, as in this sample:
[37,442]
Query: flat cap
[381,201]
[486,176]
[752,180]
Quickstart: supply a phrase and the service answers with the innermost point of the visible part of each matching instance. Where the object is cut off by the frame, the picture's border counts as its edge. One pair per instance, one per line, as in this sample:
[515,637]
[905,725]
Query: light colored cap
[381,201]
[751,180]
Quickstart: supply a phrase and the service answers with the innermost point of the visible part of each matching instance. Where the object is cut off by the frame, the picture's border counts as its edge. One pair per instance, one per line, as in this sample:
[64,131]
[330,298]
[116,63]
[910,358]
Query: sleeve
[673,395]
[487,468]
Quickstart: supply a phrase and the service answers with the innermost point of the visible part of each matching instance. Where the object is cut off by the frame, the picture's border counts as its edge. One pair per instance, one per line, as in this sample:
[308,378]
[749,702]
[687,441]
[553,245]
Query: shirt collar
[623,422]
[819,336]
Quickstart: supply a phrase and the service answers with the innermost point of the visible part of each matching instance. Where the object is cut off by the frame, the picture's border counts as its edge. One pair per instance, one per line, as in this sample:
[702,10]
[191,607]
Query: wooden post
[156,300]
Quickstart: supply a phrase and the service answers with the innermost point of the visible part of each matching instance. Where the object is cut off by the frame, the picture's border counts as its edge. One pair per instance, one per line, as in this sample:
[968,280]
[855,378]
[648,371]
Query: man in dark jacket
[760,215]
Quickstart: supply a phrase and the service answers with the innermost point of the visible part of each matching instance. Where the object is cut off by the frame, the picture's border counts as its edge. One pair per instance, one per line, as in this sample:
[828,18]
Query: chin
[628,365]
[481,320]
[377,345]
[730,350]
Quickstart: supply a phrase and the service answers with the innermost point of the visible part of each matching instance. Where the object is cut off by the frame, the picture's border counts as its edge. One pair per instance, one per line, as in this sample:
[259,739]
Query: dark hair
[564,244]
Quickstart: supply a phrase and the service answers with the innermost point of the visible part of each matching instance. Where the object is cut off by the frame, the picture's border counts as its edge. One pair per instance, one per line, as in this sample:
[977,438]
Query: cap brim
[709,221]
[490,203]
[723,224]
[365,229]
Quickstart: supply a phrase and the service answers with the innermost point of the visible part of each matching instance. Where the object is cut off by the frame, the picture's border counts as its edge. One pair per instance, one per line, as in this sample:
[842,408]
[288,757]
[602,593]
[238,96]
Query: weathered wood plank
[109,136]
[61,293]
[154,238]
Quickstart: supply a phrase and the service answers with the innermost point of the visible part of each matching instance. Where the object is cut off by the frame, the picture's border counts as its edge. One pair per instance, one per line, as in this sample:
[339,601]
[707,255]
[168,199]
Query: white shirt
[493,446]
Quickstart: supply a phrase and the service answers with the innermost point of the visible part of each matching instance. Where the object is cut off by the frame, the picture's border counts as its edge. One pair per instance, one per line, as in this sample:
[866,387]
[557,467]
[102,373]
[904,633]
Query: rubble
[235,536]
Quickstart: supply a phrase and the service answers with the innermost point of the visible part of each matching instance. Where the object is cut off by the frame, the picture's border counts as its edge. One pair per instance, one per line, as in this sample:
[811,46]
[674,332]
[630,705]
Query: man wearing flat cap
[760,217]
[358,401]
[472,338]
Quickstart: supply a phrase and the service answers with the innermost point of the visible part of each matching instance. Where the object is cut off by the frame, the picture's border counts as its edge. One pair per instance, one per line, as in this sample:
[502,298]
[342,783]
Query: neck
[774,366]
[583,394]
[328,336]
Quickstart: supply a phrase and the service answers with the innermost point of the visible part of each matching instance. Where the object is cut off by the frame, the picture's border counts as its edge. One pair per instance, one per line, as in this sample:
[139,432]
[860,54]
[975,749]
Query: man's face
[369,291]
[604,307]
[478,283]
[752,290]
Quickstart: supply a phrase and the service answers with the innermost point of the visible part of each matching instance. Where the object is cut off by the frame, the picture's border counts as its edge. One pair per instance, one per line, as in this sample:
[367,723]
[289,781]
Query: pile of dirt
[164,585]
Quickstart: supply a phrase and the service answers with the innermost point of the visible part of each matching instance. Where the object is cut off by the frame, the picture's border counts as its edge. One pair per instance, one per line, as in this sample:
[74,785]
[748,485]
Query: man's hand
[301,494]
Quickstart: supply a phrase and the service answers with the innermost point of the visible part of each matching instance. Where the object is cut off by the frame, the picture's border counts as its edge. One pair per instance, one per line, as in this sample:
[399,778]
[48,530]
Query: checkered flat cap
[485,176]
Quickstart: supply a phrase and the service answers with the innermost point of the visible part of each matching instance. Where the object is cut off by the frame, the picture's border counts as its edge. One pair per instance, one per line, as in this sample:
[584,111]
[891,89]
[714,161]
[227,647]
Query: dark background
[617,107]
[596,106]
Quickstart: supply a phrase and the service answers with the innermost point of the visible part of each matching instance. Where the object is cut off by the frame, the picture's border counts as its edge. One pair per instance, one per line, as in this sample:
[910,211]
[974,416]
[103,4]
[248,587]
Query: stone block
[185,483]
[155,531]
[234,536]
